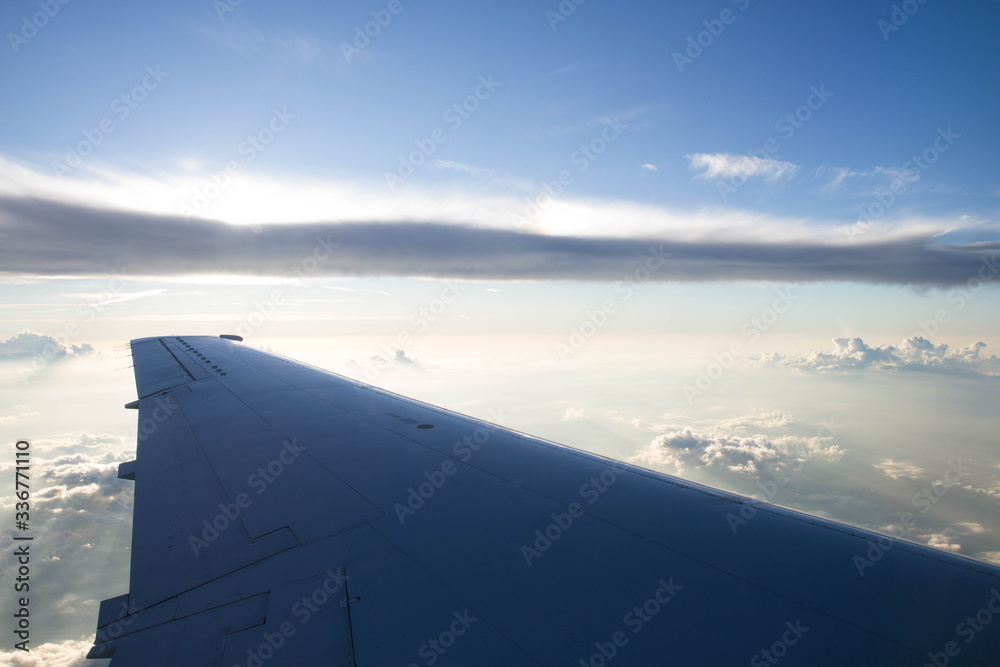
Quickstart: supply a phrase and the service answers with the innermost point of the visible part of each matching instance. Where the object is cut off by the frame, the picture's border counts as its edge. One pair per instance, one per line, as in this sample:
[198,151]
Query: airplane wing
[285,515]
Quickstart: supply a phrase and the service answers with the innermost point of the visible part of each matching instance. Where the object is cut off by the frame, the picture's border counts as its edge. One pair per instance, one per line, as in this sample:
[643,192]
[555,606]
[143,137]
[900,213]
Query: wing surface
[285,515]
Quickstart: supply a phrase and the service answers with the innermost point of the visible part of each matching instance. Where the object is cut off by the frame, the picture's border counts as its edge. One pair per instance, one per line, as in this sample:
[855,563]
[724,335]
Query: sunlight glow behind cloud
[251,199]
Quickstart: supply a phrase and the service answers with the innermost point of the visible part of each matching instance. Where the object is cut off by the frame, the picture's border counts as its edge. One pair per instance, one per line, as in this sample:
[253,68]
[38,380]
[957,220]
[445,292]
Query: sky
[729,240]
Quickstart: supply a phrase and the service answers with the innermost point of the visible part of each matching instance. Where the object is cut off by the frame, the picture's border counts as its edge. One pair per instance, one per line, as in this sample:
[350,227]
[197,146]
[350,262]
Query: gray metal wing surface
[285,515]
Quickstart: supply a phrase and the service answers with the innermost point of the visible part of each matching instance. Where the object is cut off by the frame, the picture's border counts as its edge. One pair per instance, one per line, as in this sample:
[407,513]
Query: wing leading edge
[285,515]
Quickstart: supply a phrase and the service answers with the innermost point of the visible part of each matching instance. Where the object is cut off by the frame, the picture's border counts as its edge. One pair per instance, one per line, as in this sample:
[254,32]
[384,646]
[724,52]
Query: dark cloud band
[44,237]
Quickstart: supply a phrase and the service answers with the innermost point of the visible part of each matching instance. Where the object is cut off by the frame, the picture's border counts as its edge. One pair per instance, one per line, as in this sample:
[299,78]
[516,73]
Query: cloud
[943,541]
[899,470]
[458,166]
[381,362]
[754,420]
[255,199]
[22,413]
[142,244]
[401,358]
[743,454]
[79,475]
[98,300]
[81,520]
[836,500]
[727,165]
[29,345]
[649,167]
[875,180]
[288,47]
[70,653]
[838,175]
[972,527]
[896,179]
[351,289]
[912,354]
[769,420]
[574,413]
[964,537]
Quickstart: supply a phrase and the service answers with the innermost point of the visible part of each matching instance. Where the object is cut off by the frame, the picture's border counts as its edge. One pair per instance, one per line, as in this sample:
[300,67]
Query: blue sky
[888,97]
[694,265]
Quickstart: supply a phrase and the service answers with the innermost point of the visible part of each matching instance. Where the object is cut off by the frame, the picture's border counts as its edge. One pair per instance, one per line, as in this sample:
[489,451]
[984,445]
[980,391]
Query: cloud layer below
[912,354]
[29,345]
[81,518]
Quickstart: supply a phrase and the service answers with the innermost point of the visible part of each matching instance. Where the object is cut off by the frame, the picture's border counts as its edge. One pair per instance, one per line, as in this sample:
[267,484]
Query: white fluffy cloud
[915,354]
[899,470]
[735,453]
[70,653]
[27,345]
[943,541]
